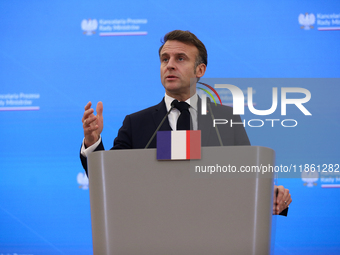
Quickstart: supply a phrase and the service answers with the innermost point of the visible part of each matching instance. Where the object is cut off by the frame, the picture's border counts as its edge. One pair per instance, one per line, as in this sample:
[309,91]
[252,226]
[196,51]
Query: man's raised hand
[92,124]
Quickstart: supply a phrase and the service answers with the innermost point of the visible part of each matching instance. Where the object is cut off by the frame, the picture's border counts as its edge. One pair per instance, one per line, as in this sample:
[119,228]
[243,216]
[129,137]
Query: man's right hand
[92,124]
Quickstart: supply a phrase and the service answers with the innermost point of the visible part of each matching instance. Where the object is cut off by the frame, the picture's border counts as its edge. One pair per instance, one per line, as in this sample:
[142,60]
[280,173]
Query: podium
[141,206]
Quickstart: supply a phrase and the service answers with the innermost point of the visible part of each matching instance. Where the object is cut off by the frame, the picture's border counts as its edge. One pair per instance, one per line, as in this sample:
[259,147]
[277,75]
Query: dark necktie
[184,119]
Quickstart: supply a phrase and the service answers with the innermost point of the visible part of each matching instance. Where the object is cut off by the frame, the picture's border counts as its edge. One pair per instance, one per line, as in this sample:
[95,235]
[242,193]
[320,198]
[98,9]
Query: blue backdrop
[55,56]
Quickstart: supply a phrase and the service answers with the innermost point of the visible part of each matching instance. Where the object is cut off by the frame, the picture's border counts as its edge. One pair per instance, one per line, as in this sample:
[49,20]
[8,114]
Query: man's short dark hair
[188,38]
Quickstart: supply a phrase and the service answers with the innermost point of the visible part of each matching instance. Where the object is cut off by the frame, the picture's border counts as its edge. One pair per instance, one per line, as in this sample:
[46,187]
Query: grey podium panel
[141,206]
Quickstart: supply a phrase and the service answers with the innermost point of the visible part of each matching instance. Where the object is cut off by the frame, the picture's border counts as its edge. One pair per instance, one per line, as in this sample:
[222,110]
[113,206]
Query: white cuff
[88,150]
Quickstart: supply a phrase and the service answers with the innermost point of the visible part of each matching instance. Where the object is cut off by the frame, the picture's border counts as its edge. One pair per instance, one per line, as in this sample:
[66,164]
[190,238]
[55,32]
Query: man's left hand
[282,199]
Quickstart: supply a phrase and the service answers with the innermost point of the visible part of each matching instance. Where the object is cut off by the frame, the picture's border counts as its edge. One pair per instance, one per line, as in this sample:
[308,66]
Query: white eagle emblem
[309,178]
[83,181]
[307,21]
[89,25]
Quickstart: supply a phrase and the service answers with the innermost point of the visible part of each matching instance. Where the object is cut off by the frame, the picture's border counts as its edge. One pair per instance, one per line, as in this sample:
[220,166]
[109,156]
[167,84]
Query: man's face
[178,67]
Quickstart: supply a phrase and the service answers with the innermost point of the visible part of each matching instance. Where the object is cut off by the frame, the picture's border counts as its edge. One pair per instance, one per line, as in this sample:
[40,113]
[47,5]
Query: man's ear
[200,70]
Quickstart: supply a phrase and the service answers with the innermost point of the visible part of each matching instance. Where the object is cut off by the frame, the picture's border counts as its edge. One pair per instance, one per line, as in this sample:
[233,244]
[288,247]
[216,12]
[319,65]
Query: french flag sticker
[179,145]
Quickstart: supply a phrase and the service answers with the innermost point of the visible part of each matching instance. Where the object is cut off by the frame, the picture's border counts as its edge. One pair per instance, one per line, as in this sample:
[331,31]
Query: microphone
[160,124]
[216,128]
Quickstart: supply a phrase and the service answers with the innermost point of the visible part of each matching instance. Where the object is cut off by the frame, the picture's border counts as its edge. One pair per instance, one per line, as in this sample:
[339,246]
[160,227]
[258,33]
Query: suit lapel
[158,115]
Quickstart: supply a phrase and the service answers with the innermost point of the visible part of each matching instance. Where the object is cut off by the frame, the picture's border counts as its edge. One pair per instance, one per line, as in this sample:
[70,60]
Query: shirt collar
[192,101]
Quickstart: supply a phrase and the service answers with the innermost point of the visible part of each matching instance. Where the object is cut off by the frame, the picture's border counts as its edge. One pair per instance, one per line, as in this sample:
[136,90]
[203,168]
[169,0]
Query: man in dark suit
[183,62]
